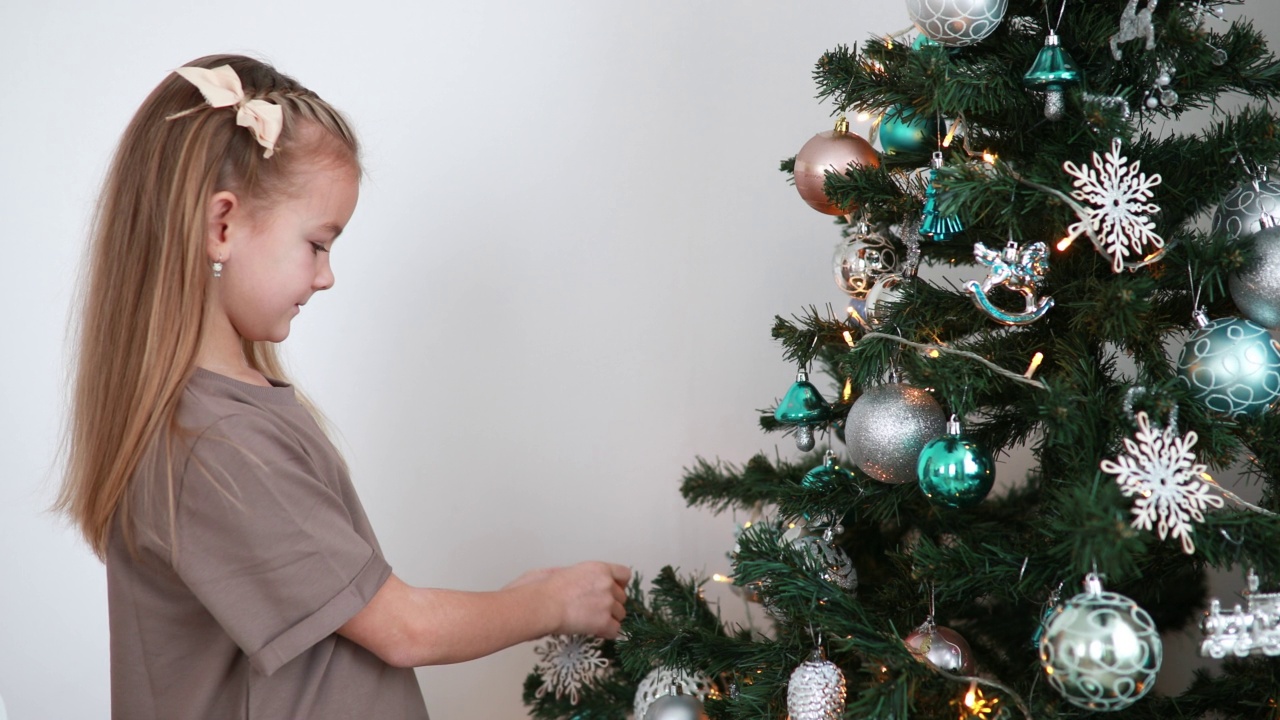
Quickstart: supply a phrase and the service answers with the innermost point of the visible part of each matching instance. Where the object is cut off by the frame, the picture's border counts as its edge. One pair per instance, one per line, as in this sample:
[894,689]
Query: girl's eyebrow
[334,228]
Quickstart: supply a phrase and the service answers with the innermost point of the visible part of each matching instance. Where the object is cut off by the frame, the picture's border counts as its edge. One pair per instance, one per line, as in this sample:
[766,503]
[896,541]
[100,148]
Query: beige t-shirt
[230,613]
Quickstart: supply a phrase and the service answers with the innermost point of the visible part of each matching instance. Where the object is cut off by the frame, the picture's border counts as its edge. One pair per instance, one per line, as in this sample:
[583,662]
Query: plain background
[556,291]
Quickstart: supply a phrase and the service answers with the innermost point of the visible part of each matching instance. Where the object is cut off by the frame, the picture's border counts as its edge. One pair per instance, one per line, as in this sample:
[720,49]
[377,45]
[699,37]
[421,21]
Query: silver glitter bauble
[860,260]
[1256,287]
[887,427]
[833,564]
[887,290]
[816,690]
[1100,650]
[1232,366]
[956,23]
[1244,210]
[676,707]
[941,647]
[662,682]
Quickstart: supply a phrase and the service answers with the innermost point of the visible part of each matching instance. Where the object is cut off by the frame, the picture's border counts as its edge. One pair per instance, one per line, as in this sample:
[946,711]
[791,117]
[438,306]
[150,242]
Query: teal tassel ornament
[804,407]
[933,224]
[1051,73]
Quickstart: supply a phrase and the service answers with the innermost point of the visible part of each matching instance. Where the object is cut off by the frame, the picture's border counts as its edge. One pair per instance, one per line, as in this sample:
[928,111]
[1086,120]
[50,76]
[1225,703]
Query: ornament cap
[842,125]
[1093,584]
[1200,317]
[953,425]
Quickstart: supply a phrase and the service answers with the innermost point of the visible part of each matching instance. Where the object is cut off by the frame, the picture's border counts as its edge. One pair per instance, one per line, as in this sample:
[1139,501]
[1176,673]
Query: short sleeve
[267,545]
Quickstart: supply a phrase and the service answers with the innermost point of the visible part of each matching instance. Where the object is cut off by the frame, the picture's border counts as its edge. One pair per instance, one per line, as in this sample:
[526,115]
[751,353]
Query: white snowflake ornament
[567,662]
[1161,470]
[1119,221]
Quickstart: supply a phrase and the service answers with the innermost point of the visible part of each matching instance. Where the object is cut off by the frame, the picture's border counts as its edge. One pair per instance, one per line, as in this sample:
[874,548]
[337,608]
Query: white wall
[556,292]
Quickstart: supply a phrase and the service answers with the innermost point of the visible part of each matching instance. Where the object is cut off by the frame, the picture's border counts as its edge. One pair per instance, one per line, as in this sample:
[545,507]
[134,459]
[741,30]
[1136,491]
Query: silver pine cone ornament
[816,690]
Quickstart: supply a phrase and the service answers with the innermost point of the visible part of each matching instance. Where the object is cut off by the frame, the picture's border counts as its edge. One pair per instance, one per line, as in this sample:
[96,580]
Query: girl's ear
[222,206]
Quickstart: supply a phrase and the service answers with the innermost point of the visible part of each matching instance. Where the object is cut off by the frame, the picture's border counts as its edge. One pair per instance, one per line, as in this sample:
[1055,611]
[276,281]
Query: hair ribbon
[221,88]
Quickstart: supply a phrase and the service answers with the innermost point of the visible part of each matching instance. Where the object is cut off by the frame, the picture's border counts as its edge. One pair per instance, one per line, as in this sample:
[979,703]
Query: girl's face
[277,254]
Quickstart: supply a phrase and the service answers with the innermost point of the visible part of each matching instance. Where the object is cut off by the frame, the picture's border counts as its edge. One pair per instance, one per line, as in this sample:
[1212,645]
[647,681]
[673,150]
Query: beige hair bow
[221,88]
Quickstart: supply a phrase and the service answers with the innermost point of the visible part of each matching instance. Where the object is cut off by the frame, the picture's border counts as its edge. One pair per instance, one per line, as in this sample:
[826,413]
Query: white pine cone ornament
[816,690]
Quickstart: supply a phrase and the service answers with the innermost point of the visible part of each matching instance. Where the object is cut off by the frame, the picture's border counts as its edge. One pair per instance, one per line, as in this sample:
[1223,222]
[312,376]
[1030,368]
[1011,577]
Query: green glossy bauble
[955,471]
[1232,365]
[903,130]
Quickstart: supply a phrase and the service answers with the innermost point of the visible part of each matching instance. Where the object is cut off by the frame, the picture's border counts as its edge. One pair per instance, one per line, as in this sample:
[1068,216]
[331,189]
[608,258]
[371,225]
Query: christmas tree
[1034,260]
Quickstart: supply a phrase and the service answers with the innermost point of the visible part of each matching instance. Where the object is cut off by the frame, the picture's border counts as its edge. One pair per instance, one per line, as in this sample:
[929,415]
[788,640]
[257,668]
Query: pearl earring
[217,267]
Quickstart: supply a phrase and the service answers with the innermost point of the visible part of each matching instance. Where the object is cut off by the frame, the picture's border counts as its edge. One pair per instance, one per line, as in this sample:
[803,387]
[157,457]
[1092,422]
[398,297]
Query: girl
[244,580]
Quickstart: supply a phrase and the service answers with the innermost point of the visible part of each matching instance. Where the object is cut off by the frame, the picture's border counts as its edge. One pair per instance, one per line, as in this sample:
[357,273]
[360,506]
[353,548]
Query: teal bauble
[1231,365]
[955,471]
[827,476]
[902,130]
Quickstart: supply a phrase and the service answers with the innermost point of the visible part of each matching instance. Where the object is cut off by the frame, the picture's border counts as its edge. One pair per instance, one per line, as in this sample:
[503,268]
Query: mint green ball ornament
[903,130]
[954,471]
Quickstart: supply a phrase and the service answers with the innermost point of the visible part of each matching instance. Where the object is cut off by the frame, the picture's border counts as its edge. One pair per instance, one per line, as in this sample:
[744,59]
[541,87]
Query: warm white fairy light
[1035,365]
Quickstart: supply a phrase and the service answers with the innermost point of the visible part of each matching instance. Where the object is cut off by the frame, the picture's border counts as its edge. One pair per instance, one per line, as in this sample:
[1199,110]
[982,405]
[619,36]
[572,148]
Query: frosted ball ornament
[1248,208]
[1100,650]
[816,690]
[956,23]
[1255,288]
[830,151]
[941,647]
[887,427]
[862,259]
[1231,365]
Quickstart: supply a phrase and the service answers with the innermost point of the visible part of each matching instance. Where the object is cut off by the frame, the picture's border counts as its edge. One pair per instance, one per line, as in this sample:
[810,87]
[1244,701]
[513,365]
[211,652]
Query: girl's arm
[407,626]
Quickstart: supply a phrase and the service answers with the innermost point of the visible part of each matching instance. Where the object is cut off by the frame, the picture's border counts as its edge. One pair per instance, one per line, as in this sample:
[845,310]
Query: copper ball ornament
[833,151]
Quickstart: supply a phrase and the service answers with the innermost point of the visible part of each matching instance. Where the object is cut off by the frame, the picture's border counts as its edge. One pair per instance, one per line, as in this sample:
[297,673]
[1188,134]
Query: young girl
[244,580]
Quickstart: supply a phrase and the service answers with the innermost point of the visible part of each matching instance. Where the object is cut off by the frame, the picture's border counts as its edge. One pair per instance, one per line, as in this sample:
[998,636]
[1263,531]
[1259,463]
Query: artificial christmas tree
[1069,349]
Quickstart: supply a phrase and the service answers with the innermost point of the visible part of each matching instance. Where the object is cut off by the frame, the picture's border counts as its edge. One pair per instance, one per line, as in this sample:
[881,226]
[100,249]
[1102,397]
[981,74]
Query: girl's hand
[591,596]
[531,576]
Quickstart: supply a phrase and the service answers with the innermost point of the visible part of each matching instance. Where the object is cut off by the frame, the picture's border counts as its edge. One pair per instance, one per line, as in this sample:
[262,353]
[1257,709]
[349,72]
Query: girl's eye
[318,248]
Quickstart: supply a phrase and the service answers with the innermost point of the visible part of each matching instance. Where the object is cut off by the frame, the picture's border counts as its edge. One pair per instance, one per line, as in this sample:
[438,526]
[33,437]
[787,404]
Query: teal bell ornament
[904,130]
[933,224]
[954,471]
[803,407]
[1231,365]
[1051,73]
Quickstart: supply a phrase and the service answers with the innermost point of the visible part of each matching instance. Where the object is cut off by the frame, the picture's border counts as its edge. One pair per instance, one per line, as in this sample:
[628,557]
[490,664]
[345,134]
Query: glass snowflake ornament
[1161,470]
[566,663]
[1119,219]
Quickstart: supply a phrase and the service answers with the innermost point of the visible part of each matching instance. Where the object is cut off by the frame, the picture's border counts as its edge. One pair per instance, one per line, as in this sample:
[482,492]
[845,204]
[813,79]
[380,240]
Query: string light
[977,706]
[1035,364]
[989,157]
[934,353]
[1065,242]
[951,132]
[848,336]
[847,392]
[721,578]
[863,116]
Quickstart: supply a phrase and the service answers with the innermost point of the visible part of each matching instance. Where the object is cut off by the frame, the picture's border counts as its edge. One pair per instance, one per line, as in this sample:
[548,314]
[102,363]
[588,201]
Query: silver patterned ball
[1256,287]
[816,690]
[887,427]
[1245,210]
[1232,366]
[956,23]
[1100,650]
[860,261]
[676,707]
[662,682]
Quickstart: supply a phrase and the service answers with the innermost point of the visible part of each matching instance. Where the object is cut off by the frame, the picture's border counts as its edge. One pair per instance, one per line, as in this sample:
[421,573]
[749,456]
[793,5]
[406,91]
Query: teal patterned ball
[1232,365]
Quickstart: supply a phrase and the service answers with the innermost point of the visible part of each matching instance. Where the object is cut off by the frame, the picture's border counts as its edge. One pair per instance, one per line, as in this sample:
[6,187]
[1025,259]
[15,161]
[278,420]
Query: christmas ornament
[1018,268]
[1134,24]
[1248,208]
[886,428]
[1255,288]
[933,224]
[904,130]
[1051,73]
[1160,469]
[956,23]
[1100,650]
[833,564]
[941,647]
[1120,214]
[566,663]
[676,707]
[1240,632]
[1231,365]
[886,291]
[923,41]
[830,151]
[816,690]
[862,258]
[954,471]
[828,475]
[662,682]
[1161,92]
[803,407]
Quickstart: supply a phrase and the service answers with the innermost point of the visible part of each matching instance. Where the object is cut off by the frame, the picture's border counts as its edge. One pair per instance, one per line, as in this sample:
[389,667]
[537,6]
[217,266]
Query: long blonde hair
[147,274]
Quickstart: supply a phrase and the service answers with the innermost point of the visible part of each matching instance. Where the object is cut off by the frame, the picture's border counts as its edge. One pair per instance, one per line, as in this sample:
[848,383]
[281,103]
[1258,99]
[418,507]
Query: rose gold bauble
[941,647]
[833,150]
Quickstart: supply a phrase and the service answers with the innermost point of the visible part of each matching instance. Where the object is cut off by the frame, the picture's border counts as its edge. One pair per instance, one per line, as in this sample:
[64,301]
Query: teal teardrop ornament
[954,471]
[804,407]
[933,224]
[1052,71]
[903,130]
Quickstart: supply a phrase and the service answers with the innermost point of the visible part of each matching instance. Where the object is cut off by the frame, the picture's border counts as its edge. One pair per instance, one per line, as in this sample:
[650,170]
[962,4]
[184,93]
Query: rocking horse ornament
[1135,23]
[1018,268]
